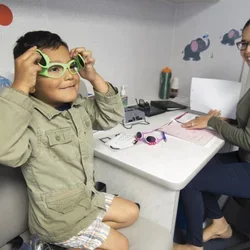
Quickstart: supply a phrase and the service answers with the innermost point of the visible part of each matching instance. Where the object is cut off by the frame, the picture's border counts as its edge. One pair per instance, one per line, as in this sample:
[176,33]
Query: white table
[152,175]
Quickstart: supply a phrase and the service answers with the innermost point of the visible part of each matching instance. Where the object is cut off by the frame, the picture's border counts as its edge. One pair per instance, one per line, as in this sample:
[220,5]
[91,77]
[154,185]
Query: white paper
[186,118]
[207,94]
[198,136]
[120,141]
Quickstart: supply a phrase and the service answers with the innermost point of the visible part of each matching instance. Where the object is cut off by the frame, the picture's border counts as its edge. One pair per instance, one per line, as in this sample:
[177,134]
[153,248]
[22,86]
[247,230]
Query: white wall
[195,20]
[130,39]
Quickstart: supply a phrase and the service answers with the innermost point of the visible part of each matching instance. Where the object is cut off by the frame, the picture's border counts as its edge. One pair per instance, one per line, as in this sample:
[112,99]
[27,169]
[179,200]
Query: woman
[227,173]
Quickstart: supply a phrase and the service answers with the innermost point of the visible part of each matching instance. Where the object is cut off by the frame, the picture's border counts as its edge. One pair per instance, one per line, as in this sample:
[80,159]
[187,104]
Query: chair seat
[147,235]
[143,235]
[237,213]
[13,204]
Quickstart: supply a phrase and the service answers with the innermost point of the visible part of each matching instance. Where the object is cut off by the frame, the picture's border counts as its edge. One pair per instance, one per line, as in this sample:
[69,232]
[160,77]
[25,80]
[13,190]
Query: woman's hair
[41,39]
[246,25]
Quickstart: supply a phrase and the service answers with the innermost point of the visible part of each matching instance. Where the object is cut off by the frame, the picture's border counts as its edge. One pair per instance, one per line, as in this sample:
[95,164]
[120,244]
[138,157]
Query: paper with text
[197,136]
[207,94]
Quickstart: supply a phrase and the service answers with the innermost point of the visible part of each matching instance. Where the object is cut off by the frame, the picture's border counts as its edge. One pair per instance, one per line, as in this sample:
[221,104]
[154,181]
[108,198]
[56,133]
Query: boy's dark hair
[41,39]
[246,25]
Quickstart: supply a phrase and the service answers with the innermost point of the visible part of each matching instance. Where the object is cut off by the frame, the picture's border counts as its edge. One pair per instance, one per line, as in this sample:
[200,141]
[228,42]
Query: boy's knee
[134,212]
[121,242]
[124,244]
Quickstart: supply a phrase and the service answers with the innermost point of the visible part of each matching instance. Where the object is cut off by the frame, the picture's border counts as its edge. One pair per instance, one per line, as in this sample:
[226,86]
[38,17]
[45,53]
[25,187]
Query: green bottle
[165,80]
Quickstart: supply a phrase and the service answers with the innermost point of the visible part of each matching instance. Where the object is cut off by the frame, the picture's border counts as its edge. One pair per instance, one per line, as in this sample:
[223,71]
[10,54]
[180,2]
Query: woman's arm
[238,136]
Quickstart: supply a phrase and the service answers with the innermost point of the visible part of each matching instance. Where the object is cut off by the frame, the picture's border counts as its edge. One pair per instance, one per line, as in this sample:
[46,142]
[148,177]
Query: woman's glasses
[242,45]
[56,70]
[151,140]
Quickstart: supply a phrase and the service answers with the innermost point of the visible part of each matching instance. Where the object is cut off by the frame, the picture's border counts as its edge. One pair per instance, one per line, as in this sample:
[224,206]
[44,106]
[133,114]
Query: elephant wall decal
[193,50]
[230,37]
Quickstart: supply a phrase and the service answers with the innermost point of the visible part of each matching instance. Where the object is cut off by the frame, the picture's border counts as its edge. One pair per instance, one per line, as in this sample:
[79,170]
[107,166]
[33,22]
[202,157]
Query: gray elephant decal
[230,37]
[193,50]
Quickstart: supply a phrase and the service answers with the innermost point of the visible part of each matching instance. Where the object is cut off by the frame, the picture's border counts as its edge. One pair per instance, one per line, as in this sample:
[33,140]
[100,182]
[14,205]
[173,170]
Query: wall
[219,61]
[131,40]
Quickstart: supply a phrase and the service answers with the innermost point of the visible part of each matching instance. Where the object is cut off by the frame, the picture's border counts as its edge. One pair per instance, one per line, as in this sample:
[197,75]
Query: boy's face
[56,91]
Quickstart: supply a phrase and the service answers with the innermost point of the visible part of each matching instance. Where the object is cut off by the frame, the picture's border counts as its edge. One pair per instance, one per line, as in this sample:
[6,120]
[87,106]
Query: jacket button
[58,138]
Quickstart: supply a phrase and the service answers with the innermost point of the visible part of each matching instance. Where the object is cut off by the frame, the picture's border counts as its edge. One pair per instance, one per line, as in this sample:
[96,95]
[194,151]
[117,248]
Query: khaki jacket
[55,150]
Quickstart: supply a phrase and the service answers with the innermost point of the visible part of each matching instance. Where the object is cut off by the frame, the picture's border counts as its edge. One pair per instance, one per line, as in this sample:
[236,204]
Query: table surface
[172,164]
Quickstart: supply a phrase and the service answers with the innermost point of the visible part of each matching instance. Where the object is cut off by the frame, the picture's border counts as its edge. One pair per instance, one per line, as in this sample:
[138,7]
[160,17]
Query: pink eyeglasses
[151,140]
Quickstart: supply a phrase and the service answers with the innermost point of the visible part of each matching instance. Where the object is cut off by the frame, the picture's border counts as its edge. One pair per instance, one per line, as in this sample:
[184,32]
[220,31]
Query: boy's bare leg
[114,241]
[122,213]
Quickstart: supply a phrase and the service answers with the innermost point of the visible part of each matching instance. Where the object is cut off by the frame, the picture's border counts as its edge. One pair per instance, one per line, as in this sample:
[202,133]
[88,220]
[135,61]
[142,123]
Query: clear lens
[242,45]
[55,71]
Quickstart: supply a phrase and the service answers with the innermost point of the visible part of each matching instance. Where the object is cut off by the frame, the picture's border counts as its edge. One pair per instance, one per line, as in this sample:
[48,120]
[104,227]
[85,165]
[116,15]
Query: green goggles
[56,70]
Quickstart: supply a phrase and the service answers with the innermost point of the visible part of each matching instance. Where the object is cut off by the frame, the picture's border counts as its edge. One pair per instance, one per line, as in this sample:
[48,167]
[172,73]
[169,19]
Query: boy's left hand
[88,72]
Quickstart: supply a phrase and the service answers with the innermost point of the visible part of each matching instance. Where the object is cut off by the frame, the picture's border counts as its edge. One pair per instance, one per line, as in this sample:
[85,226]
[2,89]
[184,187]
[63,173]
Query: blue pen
[164,136]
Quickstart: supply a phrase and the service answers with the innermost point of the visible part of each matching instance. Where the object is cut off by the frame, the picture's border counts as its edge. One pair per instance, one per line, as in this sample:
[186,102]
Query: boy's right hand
[26,69]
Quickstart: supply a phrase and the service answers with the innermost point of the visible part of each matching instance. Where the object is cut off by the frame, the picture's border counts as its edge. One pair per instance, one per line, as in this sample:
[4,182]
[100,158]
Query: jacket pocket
[59,136]
[61,145]
[65,201]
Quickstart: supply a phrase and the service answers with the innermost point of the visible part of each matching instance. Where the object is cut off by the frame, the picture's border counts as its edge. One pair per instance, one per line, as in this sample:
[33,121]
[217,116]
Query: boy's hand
[88,72]
[26,69]
[201,121]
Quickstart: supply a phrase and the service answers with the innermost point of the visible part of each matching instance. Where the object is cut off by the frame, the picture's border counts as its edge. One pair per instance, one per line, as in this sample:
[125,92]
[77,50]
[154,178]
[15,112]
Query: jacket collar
[49,111]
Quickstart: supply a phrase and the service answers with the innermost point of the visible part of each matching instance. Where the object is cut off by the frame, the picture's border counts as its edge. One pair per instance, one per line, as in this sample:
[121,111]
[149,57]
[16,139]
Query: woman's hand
[201,121]
[88,72]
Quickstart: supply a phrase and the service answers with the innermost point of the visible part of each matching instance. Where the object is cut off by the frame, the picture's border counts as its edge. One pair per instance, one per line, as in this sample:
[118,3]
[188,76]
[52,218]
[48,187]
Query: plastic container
[174,87]
[124,96]
[165,80]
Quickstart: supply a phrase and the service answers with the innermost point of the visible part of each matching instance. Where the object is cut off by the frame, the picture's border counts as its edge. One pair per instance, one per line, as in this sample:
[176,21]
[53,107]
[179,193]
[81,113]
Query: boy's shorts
[93,236]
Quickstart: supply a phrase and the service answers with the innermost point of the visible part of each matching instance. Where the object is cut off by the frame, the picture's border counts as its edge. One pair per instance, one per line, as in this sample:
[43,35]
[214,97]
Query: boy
[50,136]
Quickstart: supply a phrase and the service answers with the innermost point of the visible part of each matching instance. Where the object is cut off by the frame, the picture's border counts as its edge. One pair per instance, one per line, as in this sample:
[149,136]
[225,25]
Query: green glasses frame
[46,65]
